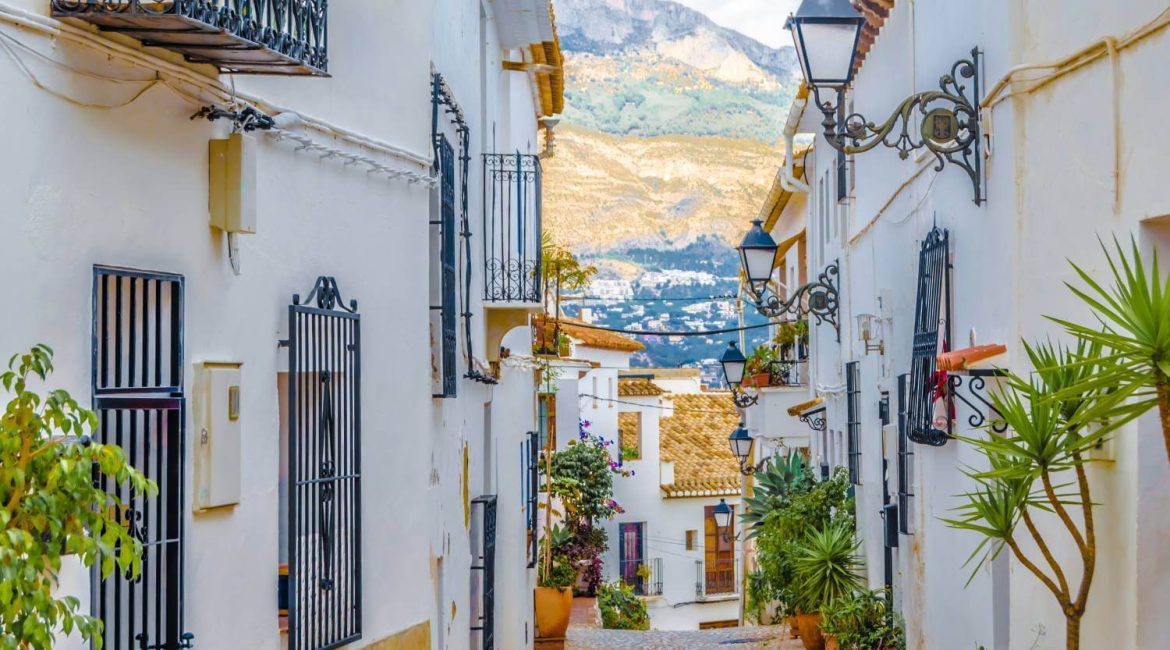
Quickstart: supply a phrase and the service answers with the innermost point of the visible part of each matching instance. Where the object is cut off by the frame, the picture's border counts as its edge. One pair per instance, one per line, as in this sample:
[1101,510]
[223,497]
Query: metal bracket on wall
[815,419]
[974,384]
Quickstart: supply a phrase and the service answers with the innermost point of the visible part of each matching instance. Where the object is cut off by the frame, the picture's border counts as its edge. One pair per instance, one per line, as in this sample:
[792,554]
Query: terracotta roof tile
[588,336]
[695,440]
[638,388]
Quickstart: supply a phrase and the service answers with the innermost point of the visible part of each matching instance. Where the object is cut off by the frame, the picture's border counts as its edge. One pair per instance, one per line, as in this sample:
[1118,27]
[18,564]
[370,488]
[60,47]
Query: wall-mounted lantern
[722,515]
[827,34]
[734,365]
[757,256]
[869,329]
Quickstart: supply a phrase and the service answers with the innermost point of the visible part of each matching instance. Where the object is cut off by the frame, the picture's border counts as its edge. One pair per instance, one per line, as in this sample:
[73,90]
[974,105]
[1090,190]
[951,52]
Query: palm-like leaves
[772,485]
[827,566]
[1133,332]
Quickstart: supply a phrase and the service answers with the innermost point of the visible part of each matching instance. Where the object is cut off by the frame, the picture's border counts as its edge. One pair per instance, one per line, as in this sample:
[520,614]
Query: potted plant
[758,371]
[826,568]
[861,621]
[620,608]
[554,590]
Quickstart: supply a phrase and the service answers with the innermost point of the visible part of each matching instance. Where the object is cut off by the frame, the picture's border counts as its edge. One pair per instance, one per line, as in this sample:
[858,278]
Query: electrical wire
[725,330]
[731,412]
[36,81]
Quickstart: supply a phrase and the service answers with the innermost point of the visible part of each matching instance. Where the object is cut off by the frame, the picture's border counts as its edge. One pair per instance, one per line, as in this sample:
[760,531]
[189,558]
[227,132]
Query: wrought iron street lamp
[722,515]
[742,443]
[827,34]
[757,254]
[734,364]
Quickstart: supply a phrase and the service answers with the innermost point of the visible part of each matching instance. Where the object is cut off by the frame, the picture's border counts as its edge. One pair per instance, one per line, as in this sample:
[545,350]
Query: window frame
[853,422]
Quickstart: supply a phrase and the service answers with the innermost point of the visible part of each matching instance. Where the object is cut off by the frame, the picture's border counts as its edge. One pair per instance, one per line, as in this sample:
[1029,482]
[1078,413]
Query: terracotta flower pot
[793,628]
[553,607]
[810,631]
[831,643]
[758,380]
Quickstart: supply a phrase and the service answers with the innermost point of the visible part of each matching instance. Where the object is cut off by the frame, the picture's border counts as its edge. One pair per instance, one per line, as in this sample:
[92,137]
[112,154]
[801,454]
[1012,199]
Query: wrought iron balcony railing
[286,37]
[511,228]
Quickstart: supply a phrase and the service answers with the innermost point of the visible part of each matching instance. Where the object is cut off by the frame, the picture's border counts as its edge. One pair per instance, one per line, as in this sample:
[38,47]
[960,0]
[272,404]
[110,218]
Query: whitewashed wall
[1050,194]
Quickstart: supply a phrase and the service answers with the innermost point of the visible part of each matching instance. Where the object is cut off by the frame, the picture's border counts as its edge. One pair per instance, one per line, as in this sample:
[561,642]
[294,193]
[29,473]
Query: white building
[348,174]
[1066,89]
[676,441]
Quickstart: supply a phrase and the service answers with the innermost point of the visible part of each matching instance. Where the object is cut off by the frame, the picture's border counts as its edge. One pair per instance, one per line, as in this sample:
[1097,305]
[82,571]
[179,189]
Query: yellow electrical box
[217,435]
[232,184]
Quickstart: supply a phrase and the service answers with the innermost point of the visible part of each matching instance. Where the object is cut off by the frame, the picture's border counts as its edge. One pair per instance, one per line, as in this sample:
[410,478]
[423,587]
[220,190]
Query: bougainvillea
[582,480]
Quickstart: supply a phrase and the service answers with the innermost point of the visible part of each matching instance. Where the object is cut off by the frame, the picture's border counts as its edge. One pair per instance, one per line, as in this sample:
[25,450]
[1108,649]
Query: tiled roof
[695,440]
[663,373]
[875,13]
[638,388]
[628,424]
[588,336]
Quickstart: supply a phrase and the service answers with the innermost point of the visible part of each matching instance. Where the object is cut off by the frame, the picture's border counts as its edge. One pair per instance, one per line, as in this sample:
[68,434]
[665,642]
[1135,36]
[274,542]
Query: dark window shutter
[447,259]
[853,404]
[905,458]
[931,320]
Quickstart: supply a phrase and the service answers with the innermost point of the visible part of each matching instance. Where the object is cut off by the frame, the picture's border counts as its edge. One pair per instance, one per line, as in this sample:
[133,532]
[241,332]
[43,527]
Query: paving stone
[731,638]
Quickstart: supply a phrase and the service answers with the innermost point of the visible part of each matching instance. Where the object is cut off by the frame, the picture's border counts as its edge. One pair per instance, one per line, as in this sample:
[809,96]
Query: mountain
[667,148]
[613,193]
[652,67]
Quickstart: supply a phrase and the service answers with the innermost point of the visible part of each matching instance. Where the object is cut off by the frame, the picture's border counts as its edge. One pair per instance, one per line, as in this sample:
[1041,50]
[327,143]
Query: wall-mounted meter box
[232,184]
[217,435]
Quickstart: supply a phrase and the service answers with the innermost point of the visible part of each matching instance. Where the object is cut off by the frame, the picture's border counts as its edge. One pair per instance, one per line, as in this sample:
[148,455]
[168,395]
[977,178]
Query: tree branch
[1061,512]
[1039,539]
[1060,596]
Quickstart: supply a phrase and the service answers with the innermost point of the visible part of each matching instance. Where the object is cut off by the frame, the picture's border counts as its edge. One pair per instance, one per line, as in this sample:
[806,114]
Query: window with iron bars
[529,487]
[443,299]
[931,333]
[905,459]
[853,426]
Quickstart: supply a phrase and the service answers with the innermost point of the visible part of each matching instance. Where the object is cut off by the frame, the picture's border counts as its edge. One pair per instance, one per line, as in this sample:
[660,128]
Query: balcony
[511,228]
[511,237]
[277,37]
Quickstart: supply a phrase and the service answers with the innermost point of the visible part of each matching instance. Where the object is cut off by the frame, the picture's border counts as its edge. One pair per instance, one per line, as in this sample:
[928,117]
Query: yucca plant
[826,566]
[1133,335]
[1050,433]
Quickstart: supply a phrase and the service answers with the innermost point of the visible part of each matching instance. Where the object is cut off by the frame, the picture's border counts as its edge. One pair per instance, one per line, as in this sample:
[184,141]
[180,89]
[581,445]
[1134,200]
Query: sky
[762,20]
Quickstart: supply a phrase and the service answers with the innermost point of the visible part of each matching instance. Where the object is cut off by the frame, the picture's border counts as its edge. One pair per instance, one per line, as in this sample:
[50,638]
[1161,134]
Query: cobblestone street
[747,638]
[585,634]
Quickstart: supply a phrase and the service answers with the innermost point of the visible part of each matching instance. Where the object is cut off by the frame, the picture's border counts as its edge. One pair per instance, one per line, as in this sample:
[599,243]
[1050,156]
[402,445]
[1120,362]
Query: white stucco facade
[1058,173]
[127,185]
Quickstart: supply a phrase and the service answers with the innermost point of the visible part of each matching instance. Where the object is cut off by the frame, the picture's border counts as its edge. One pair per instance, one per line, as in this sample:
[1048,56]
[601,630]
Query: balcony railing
[721,583]
[240,36]
[511,228]
[653,586]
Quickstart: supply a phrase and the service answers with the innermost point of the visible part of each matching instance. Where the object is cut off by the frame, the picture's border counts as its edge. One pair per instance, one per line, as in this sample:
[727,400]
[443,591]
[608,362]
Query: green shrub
[826,567]
[863,621]
[620,608]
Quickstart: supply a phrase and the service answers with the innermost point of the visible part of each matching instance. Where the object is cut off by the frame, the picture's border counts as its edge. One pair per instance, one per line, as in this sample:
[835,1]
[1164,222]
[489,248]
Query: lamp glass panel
[828,51]
[758,264]
[733,371]
[741,448]
[722,518]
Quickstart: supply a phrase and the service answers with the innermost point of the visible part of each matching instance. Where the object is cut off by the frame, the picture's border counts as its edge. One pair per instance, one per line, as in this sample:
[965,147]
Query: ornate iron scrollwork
[949,128]
[326,472]
[818,298]
[744,400]
[983,412]
[815,419]
[327,295]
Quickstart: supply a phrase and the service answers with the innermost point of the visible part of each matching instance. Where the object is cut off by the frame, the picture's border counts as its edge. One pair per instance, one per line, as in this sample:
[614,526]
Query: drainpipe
[795,113]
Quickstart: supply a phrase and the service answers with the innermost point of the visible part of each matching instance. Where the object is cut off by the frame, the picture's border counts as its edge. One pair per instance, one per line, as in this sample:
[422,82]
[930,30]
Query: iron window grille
[905,458]
[283,37]
[530,486]
[853,426]
[512,228]
[931,331]
[443,105]
[444,363]
[487,569]
[138,394]
[324,469]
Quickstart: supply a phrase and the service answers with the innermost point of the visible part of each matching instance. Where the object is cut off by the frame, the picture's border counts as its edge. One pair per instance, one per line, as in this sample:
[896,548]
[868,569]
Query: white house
[224,225]
[1062,159]
[673,439]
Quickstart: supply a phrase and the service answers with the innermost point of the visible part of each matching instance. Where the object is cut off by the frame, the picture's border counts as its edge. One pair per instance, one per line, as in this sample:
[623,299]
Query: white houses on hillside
[939,255]
[262,249]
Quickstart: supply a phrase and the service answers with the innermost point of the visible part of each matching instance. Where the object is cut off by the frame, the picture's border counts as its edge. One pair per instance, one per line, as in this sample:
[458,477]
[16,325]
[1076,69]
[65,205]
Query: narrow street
[585,634]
